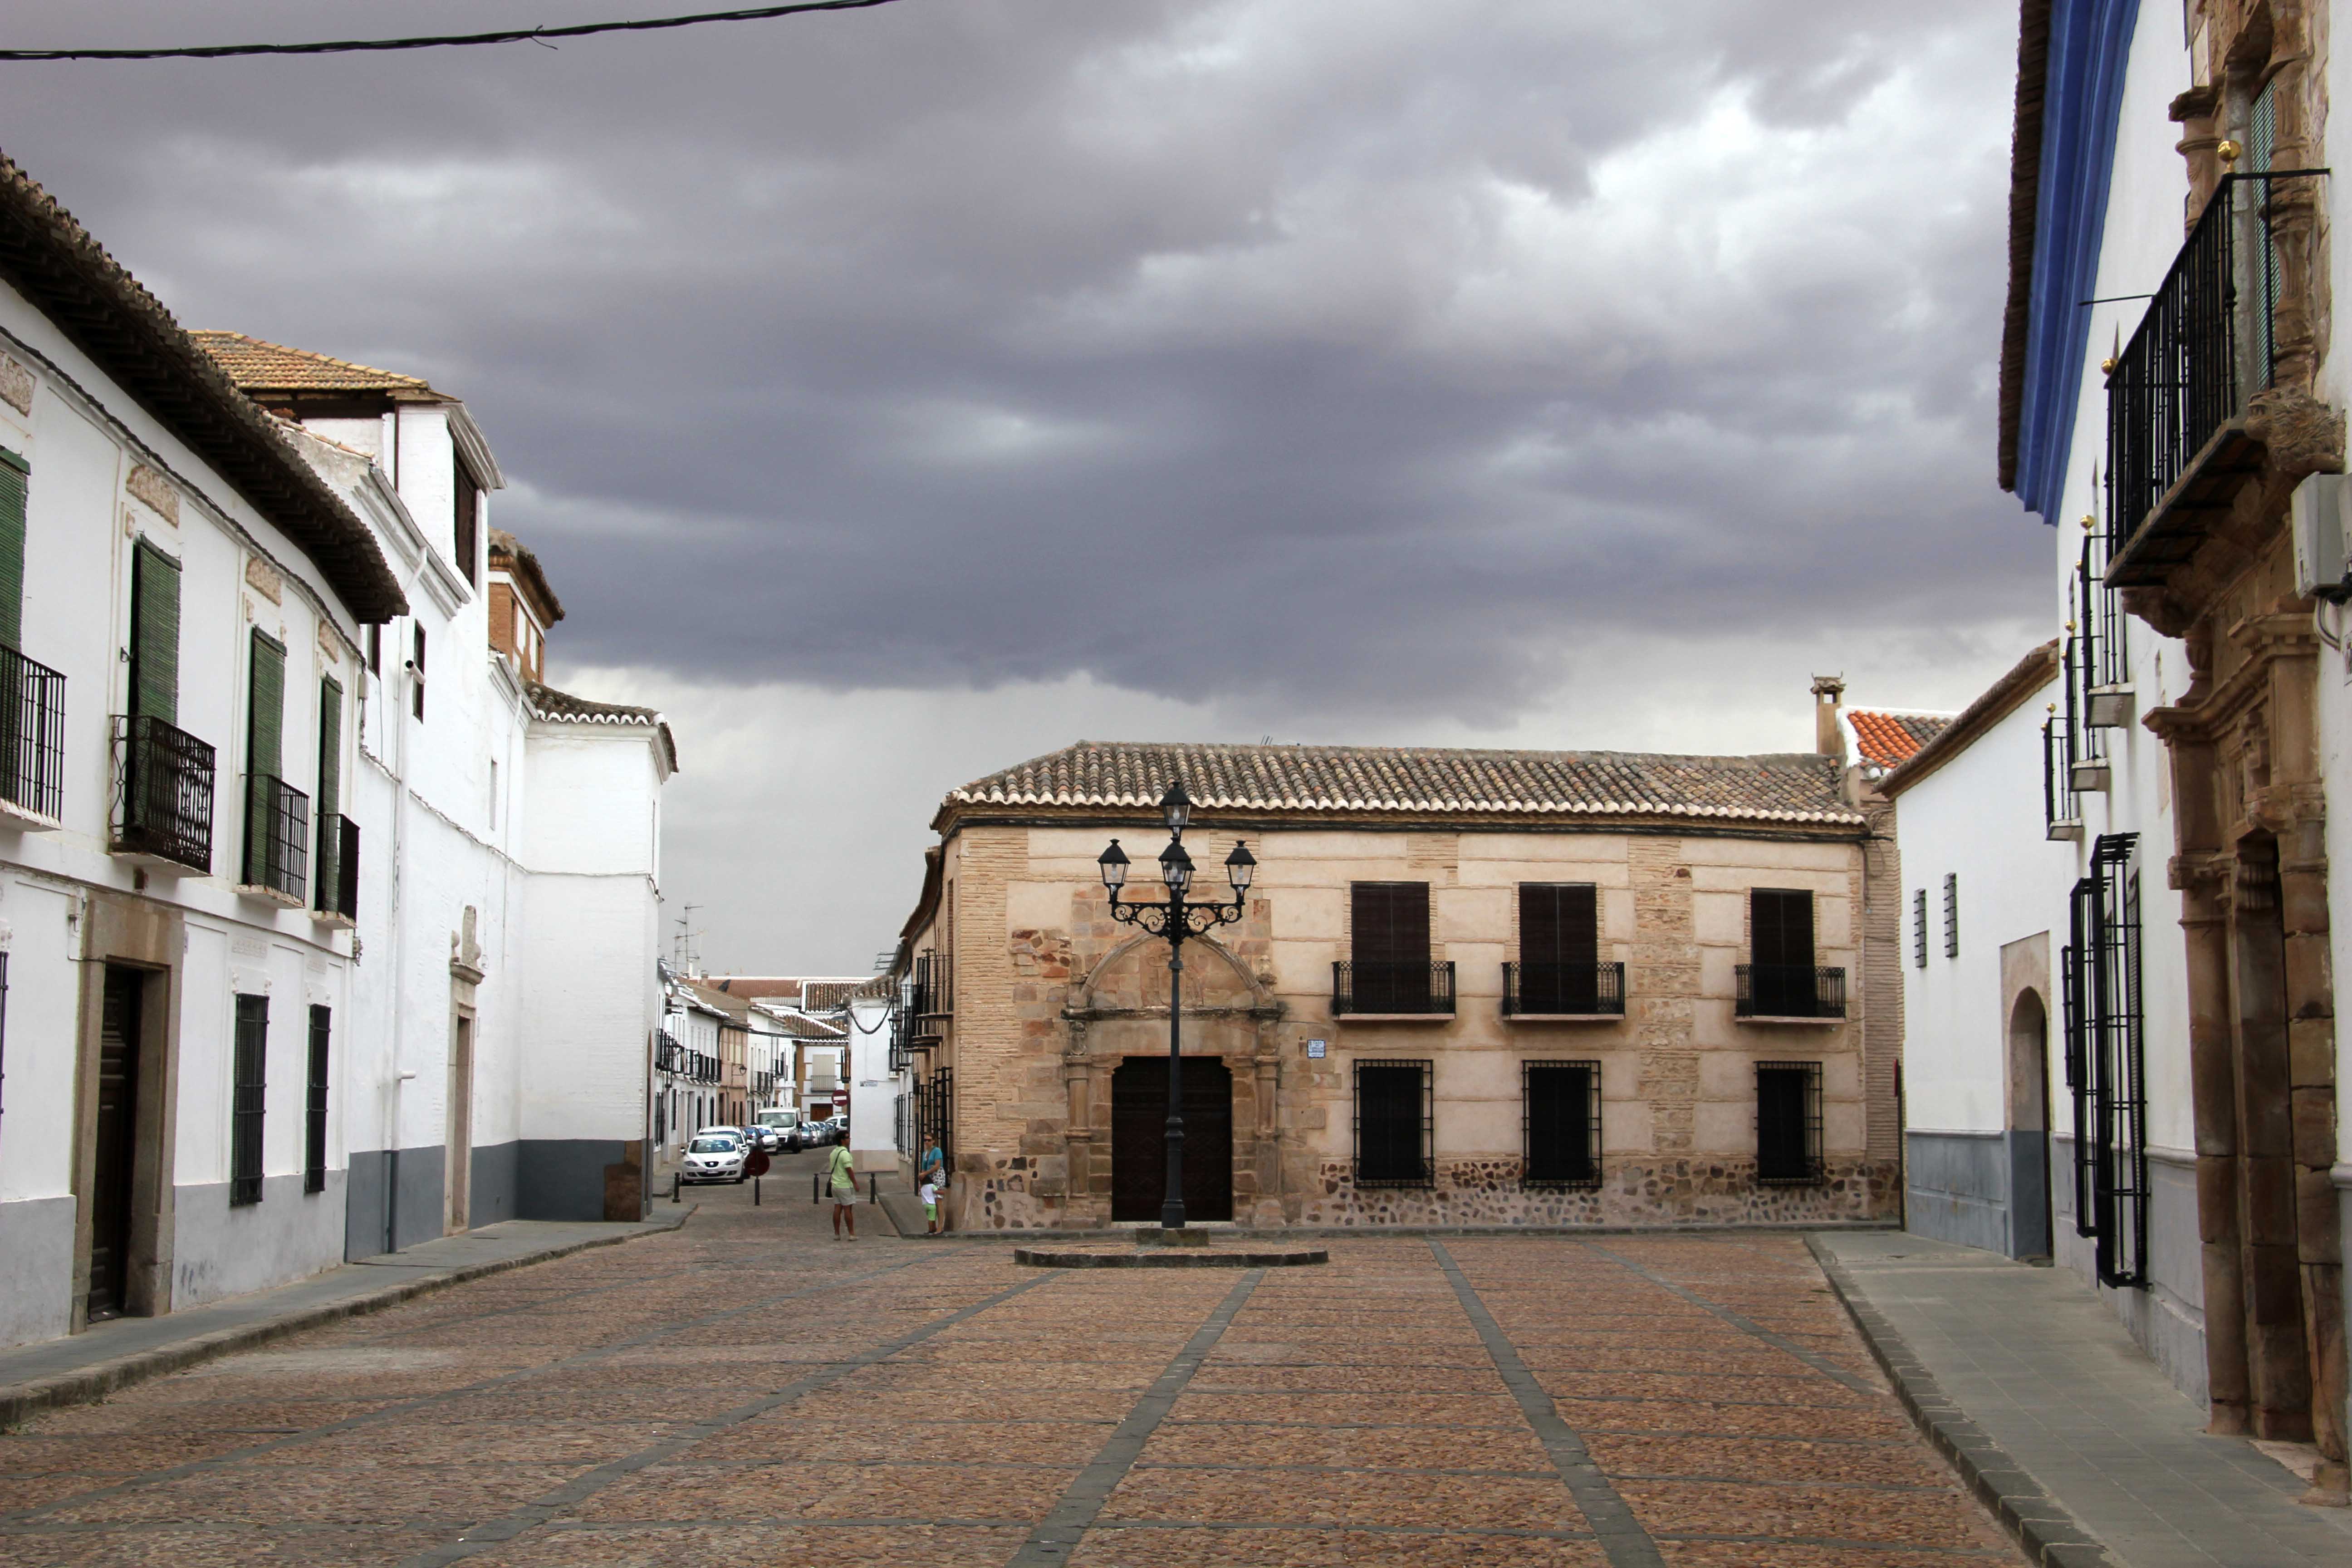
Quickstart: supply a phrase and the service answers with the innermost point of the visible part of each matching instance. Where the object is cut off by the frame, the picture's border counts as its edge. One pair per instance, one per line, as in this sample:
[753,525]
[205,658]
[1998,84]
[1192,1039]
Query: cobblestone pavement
[746,1389]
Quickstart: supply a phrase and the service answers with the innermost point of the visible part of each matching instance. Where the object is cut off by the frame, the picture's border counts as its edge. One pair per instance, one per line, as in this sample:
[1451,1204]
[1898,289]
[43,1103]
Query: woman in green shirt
[842,1176]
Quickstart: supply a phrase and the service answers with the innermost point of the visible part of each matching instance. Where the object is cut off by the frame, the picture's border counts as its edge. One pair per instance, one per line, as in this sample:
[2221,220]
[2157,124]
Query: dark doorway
[1138,1144]
[2029,1177]
[116,1143]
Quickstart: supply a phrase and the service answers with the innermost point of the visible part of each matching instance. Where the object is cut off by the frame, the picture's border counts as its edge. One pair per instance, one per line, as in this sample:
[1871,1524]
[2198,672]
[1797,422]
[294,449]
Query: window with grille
[1788,1124]
[250,1091]
[416,675]
[1951,914]
[1919,929]
[2105,1061]
[314,1104]
[1392,1125]
[1561,1113]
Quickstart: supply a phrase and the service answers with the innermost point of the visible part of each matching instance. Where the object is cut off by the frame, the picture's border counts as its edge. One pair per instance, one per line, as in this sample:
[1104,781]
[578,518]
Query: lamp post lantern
[1176,916]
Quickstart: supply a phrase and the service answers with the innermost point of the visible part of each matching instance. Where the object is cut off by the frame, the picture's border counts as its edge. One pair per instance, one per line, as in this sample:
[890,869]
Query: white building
[510,978]
[2119,863]
[181,602]
[310,953]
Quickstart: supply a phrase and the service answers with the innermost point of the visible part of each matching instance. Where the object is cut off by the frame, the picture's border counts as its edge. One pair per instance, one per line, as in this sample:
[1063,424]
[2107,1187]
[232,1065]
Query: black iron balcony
[1563,990]
[2061,809]
[934,988]
[1396,990]
[1789,991]
[2178,394]
[163,793]
[339,866]
[32,733]
[277,837]
[669,1054]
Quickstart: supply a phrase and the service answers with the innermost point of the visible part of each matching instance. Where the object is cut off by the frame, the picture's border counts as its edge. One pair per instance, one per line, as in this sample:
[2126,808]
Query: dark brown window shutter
[1391,922]
[1780,926]
[1559,922]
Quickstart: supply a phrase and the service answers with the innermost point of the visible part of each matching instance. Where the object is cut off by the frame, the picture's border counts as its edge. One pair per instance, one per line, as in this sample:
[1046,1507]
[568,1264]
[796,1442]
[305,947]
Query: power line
[452,40]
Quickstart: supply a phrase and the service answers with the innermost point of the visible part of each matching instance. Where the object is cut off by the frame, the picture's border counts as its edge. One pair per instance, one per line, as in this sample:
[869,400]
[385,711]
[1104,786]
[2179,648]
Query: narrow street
[747,1388]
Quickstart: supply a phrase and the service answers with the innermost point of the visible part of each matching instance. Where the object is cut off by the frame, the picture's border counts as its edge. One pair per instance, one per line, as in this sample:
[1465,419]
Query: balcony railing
[276,836]
[339,866]
[32,733]
[1563,990]
[2061,809]
[163,793]
[934,987]
[1405,990]
[1789,991]
[2206,345]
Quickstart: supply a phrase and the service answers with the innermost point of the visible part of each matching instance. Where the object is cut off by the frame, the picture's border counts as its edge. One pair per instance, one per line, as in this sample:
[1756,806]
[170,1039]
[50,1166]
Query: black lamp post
[1176,917]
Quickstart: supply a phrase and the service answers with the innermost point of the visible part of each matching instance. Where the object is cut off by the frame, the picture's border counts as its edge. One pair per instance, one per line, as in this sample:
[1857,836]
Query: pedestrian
[843,1175]
[931,1205]
[931,1178]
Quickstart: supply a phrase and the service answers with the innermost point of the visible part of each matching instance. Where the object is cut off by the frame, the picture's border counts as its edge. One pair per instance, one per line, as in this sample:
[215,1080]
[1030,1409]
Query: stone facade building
[1468,987]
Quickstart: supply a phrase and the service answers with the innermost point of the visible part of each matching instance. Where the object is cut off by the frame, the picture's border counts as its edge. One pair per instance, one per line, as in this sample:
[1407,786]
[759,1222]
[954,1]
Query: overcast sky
[895,395]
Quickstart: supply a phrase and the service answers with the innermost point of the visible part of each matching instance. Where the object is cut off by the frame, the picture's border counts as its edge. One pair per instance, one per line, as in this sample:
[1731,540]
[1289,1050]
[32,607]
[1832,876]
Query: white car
[713,1156]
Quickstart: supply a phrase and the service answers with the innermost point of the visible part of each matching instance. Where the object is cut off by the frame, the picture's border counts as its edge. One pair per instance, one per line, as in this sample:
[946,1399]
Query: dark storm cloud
[1392,350]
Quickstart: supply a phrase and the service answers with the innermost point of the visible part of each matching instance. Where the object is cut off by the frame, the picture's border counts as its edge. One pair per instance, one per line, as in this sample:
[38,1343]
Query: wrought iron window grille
[1919,929]
[339,866]
[2061,809]
[1394,1123]
[250,1091]
[1408,990]
[163,792]
[1563,990]
[2104,670]
[934,1101]
[1789,991]
[2205,346]
[1559,1124]
[32,733]
[276,836]
[1951,914]
[314,1102]
[2106,1064]
[1789,1124]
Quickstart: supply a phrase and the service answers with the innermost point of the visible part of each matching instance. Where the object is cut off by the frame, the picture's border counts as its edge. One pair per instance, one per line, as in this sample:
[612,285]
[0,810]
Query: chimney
[1829,695]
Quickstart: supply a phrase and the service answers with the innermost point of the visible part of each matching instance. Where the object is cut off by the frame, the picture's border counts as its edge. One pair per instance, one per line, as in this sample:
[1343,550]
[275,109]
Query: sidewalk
[125,1351]
[2090,1456]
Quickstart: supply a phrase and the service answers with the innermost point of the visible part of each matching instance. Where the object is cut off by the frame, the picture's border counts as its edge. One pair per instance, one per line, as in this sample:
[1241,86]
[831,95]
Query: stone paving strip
[746,1387]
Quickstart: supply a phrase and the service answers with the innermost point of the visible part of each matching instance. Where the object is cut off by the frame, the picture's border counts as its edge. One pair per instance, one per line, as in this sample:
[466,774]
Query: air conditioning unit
[2317,512]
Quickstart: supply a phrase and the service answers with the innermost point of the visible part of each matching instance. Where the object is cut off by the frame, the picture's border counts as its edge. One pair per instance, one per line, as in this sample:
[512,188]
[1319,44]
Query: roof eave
[2024,201]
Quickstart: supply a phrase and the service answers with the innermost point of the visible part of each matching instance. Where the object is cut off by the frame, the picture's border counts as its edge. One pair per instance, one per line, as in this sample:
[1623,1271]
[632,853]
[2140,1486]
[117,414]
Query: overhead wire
[451,40]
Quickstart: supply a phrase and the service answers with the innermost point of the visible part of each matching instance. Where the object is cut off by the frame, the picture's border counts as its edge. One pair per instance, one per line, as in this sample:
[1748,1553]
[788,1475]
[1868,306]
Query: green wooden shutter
[154,635]
[330,751]
[13,476]
[266,722]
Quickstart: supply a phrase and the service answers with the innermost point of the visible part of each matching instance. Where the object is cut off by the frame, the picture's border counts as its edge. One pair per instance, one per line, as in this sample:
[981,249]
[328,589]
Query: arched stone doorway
[2029,1127]
[1114,1067]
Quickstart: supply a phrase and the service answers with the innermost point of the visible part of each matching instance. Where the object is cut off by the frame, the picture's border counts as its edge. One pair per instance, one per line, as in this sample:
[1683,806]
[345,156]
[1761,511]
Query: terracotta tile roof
[828,995]
[562,708]
[66,275]
[511,553]
[758,988]
[1793,788]
[258,366]
[1889,739]
[805,1029]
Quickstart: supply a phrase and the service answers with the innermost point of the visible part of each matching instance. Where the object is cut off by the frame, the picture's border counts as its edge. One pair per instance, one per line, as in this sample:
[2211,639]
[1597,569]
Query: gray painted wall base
[222,1249]
[1957,1187]
[421,1200]
[37,1243]
[2167,1318]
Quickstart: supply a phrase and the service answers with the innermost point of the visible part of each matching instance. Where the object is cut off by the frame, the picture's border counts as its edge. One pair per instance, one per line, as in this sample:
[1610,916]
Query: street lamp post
[1176,917]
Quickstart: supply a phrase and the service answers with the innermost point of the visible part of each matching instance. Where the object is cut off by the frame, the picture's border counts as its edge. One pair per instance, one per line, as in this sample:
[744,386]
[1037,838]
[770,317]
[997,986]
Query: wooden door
[1780,943]
[1139,1144]
[1559,947]
[1388,946]
[117,1143]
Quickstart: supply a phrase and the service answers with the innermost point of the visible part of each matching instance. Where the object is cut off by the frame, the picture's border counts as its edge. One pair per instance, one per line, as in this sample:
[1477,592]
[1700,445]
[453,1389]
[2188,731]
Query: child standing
[930,1194]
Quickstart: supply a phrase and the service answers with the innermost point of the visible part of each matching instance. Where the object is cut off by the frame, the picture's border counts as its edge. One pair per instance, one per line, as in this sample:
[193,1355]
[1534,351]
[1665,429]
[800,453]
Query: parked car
[840,1125]
[714,1155]
[766,1139]
[815,1134]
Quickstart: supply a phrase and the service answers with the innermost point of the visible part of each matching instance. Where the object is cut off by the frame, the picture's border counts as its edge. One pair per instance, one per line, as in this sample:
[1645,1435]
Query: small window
[494,793]
[1392,1125]
[250,1087]
[416,675]
[1952,914]
[314,1106]
[374,649]
[1561,1118]
[466,535]
[1788,1124]
[1919,929]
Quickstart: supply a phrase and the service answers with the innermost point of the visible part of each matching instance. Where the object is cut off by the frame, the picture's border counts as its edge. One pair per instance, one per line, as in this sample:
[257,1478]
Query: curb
[1030,1236]
[1290,1258]
[20,1401]
[2041,1524]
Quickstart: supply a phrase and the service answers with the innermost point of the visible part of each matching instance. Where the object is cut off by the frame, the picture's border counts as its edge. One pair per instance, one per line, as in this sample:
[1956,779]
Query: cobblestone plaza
[745,1387]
